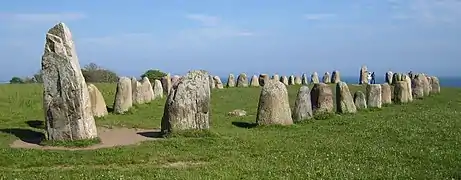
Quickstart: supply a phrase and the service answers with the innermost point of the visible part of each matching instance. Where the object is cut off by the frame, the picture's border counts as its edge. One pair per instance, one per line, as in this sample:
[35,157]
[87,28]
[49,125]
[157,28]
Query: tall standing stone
[326,78]
[315,78]
[147,92]
[136,92]
[303,105]
[322,99]
[344,100]
[298,80]
[174,79]
[407,79]
[363,75]
[98,105]
[386,93]
[435,83]
[418,86]
[304,79]
[291,80]
[242,80]
[66,100]
[389,76]
[284,80]
[254,81]
[401,92]
[218,82]
[158,89]
[123,96]
[231,81]
[263,78]
[427,85]
[188,105]
[273,106]
[360,100]
[166,83]
[210,78]
[335,77]
[374,96]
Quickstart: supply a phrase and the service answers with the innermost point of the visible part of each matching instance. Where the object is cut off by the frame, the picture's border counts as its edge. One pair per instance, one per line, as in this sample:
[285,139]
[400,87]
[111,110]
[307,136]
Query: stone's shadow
[39,124]
[26,135]
[244,124]
[110,109]
[151,134]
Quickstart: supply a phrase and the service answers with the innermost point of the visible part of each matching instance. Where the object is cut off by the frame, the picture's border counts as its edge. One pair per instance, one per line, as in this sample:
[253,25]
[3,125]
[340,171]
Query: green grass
[420,140]
[71,144]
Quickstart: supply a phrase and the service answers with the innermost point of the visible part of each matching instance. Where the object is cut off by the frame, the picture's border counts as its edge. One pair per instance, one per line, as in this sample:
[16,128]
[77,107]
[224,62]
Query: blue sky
[233,36]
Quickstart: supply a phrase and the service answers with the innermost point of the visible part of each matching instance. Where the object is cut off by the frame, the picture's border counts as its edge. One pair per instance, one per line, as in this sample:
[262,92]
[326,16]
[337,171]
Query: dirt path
[109,138]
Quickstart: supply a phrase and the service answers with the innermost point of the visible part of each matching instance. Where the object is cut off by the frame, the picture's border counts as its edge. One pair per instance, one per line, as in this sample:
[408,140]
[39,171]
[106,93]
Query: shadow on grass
[151,134]
[39,124]
[25,135]
[244,124]
[110,109]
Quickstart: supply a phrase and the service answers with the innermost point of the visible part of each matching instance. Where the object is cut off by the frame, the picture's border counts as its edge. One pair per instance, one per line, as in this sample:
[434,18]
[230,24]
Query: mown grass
[420,140]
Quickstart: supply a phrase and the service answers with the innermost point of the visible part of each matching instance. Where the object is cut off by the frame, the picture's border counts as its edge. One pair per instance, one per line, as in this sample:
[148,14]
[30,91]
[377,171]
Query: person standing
[373,80]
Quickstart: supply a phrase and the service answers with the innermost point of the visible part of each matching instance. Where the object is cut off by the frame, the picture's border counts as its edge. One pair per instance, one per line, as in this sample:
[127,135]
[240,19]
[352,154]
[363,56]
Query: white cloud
[205,20]
[318,16]
[41,17]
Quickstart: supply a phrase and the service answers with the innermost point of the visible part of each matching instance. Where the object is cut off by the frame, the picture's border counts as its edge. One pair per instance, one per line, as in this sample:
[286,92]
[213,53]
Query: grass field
[421,140]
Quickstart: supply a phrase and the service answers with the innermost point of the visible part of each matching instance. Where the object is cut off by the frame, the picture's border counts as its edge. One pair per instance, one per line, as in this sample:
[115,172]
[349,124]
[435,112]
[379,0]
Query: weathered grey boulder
[166,83]
[136,92]
[276,77]
[303,105]
[218,82]
[231,81]
[98,105]
[326,78]
[123,96]
[298,80]
[147,92]
[315,78]
[284,80]
[389,76]
[386,93]
[273,106]
[360,100]
[291,80]
[401,92]
[66,100]
[335,77]
[242,80]
[254,81]
[435,84]
[188,105]
[210,78]
[407,79]
[263,78]
[374,96]
[322,99]
[304,79]
[158,89]
[417,85]
[344,100]
[363,75]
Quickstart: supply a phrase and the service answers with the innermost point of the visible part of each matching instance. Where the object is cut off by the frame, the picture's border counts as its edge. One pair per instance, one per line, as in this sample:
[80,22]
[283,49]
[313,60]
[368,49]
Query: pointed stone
[326,78]
[284,80]
[242,80]
[344,100]
[218,82]
[147,92]
[335,77]
[254,81]
[305,79]
[158,89]
[315,78]
[231,81]
[98,104]
[363,75]
[303,105]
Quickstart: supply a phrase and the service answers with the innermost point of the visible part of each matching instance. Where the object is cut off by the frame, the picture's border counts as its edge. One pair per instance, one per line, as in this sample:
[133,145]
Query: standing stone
[344,100]
[303,105]
[429,79]
[158,89]
[218,82]
[322,99]
[284,80]
[273,106]
[276,77]
[363,75]
[335,77]
[242,80]
[188,105]
[147,92]
[166,84]
[360,100]
[395,78]
[417,86]
[374,96]
[435,84]
[401,92]
[123,96]
[326,78]
[263,78]
[98,105]
[291,80]
[231,81]
[304,79]
[386,93]
[298,80]
[315,78]
[174,79]
[66,100]
[254,81]
[389,76]
[427,85]
[210,78]
[407,79]
[136,92]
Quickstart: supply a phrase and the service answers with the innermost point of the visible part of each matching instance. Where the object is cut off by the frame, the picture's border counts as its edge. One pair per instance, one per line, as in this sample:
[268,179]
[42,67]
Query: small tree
[16,80]
[38,77]
[153,74]
[95,74]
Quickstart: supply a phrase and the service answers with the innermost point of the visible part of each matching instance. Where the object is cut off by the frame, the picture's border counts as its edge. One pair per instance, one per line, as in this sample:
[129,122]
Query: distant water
[444,81]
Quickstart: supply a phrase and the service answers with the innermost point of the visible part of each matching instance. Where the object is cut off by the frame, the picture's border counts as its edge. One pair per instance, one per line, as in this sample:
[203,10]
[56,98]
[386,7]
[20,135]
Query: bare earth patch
[109,138]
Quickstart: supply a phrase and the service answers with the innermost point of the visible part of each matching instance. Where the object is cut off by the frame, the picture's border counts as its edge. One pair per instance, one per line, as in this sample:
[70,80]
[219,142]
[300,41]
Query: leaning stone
[291,80]
[98,105]
[344,100]
[322,99]
[389,76]
[66,100]
[263,78]
[273,106]
[231,81]
[315,78]
[166,83]
[123,96]
[237,112]
[386,93]
[401,92]
[254,81]
[284,80]
[147,92]
[188,105]
[326,78]
[218,82]
[242,80]
[304,79]
[303,105]
[360,100]
[335,77]
[158,89]
[374,96]
[363,75]
[298,80]
[435,83]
